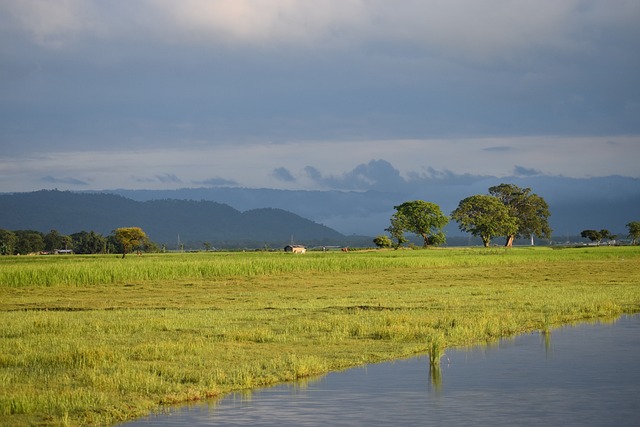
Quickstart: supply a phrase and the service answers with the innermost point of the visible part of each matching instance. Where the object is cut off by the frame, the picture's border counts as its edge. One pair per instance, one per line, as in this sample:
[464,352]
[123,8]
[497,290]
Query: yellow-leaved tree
[130,237]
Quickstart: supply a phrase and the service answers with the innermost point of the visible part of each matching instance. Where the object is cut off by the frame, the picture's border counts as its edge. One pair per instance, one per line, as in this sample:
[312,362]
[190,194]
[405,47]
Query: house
[296,249]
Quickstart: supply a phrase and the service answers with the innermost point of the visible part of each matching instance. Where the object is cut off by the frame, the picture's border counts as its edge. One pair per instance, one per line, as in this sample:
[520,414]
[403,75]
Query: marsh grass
[435,349]
[105,339]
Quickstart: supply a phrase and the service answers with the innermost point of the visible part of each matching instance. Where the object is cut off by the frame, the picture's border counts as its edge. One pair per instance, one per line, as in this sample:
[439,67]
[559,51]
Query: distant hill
[165,221]
[253,217]
[575,204]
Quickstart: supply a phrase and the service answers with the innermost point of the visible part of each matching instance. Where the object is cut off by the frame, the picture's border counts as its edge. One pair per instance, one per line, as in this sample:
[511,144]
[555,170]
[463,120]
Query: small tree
[422,218]
[130,237]
[382,241]
[486,217]
[595,235]
[397,232]
[437,239]
[634,231]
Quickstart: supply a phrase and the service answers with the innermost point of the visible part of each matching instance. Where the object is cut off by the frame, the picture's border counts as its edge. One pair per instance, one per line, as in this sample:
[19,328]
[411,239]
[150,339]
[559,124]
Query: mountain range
[575,204]
[237,217]
[167,221]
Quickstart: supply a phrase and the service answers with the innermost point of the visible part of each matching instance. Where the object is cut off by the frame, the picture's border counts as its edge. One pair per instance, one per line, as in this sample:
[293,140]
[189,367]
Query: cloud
[377,174]
[161,74]
[165,178]
[434,177]
[283,174]
[50,24]
[381,175]
[498,149]
[66,180]
[522,171]
[168,178]
[217,182]
[313,173]
[463,29]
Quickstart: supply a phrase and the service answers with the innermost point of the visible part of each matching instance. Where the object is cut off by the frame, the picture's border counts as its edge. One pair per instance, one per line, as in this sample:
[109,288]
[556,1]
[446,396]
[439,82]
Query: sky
[315,94]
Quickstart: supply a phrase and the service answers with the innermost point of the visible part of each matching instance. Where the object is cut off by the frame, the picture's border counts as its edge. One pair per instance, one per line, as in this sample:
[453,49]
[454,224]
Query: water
[585,375]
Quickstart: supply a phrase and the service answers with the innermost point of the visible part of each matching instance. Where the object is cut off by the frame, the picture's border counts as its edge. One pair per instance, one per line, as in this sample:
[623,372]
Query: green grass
[100,270]
[100,339]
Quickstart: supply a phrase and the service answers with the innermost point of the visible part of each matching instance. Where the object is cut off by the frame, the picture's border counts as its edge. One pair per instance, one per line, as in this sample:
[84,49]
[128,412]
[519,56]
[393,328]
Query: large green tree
[89,243]
[530,210]
[28,241]
[634,231]
[422,218]
[54,240]
[8,242]
[129,238]
[486,217]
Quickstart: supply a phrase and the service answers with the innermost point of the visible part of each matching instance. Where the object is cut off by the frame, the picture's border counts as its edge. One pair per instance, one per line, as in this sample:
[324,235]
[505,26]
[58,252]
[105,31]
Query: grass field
[100,339]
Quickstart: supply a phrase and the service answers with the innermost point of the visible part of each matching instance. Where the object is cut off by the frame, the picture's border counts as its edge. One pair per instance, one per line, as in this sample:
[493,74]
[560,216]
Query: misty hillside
[193,222]
[575,204]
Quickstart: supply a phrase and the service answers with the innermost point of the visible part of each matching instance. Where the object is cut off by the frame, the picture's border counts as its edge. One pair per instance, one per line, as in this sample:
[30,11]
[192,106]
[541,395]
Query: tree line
[507,211]
[598,236]
[121,240]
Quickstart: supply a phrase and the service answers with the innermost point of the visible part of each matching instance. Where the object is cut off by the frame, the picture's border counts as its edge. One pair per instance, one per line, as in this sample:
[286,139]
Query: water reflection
[584,375]
[435,377]
[546,338]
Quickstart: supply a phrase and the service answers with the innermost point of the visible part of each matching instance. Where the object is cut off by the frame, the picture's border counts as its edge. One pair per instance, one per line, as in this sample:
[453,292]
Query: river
[582,375]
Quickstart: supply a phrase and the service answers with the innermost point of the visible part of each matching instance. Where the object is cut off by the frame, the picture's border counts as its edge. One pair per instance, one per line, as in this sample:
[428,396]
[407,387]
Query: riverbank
[98,340]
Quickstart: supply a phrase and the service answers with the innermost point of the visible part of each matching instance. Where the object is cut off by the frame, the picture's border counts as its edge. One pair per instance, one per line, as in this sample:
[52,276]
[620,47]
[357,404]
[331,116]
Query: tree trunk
[486,240]
[510,240]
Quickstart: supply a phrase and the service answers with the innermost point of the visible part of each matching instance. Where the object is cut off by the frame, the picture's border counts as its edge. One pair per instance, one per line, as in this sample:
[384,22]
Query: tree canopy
[634,231]
[8,242]
[486,217]
[89,243]
[422,218]
[595,235]
[54,240]
[382,241]
[28,241]
[530,211]
[130,237]
[396,231]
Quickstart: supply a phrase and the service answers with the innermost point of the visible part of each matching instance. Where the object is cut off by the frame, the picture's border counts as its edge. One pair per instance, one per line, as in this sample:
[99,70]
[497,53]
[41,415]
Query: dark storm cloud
[180,78]
[151,73]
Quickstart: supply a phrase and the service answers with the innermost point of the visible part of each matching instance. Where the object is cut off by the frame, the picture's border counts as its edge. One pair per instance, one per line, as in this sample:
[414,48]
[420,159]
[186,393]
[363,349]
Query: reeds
[435,349]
